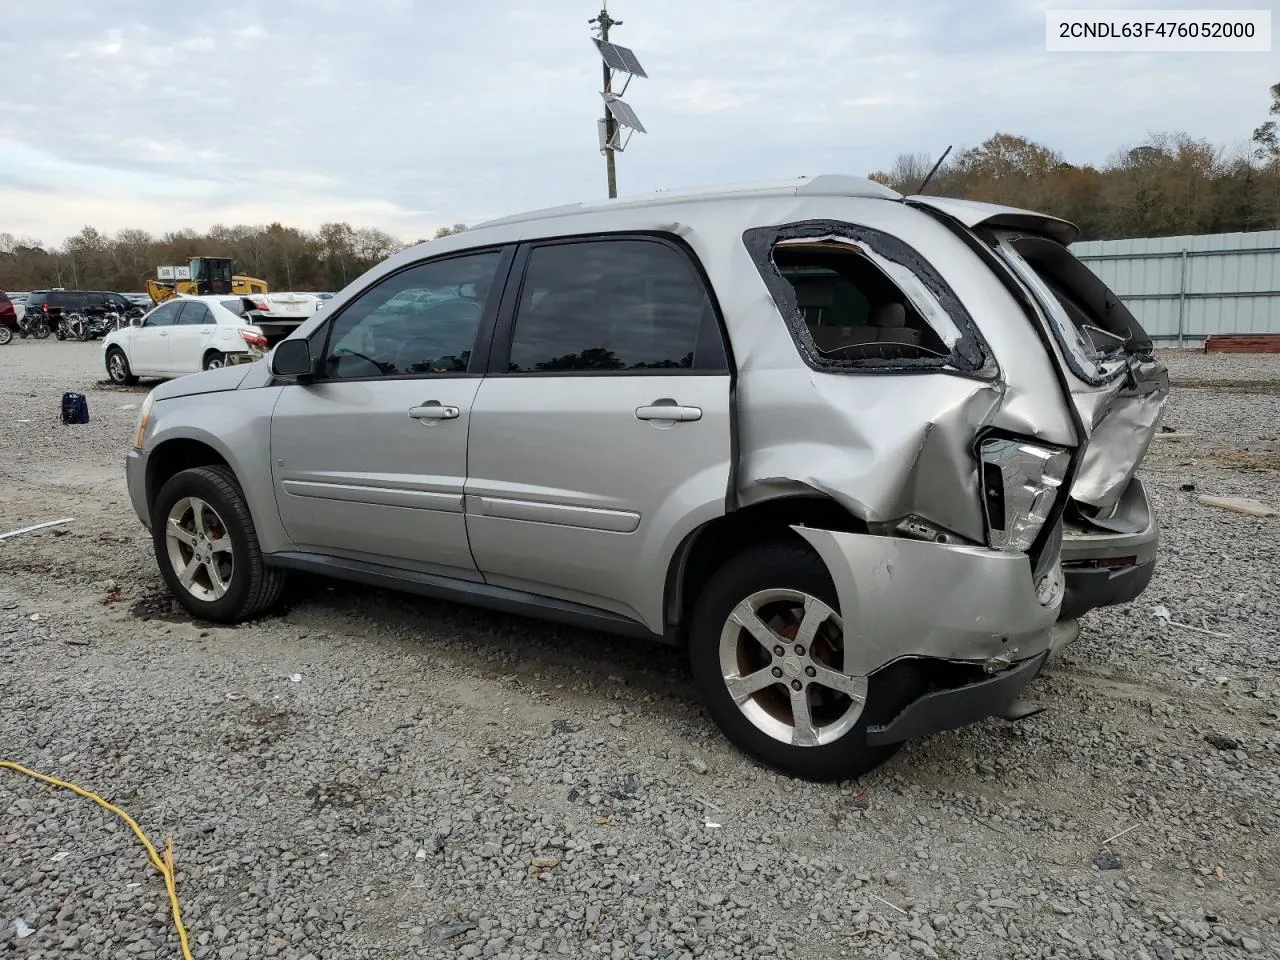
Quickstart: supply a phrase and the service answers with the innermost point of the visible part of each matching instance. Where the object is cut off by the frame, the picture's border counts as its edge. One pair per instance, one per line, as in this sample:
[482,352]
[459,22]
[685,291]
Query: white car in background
[184,335]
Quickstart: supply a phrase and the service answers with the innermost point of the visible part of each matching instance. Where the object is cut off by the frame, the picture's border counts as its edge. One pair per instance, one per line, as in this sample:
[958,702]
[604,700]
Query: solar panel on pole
[609,54]
[619,57]
[629,58]
[623,113]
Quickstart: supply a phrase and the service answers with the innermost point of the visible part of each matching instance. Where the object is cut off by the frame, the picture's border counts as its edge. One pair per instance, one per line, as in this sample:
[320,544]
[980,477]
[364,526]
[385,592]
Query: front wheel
[40,330]
[767,652]
[118,368]
[207,548]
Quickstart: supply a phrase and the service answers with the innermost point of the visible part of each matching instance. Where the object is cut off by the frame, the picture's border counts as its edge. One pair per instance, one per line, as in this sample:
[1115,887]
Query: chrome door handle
[669,410]
[432,410]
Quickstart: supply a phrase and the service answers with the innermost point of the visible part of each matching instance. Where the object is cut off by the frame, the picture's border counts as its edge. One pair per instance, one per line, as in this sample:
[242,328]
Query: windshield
[1094,329]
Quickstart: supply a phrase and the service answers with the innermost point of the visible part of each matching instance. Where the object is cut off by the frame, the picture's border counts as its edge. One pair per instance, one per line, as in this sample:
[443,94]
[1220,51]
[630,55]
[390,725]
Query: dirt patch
[160,606]
[1247,459]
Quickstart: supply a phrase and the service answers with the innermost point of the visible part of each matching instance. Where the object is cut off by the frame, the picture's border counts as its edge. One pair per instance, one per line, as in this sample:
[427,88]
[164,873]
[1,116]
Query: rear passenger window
[613,305]
[851,309]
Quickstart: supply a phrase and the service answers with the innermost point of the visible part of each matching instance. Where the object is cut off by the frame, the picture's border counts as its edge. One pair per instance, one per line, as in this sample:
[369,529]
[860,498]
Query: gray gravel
[442,782]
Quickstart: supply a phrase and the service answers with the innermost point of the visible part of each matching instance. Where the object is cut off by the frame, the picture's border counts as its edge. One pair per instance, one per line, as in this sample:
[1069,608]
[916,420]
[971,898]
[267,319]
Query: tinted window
[194,314]
[608,305]
[163,315]
[420,321]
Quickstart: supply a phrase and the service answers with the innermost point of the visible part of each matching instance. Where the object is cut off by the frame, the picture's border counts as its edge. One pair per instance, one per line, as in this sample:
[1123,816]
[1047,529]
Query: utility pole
[604,22]
[618,115]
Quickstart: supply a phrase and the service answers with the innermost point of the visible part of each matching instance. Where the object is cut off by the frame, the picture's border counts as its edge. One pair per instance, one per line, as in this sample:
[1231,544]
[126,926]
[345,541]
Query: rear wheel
[213,360]
[767,651]
[40,329]
[118,368]
[5,335]
[207,548]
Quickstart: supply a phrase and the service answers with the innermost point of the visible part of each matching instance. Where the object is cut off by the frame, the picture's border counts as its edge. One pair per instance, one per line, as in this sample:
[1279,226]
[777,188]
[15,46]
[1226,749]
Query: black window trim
[484,330]
[500,351]
[970,357]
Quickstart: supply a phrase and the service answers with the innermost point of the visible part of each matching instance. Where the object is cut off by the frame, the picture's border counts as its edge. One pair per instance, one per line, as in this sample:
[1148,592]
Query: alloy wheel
[782,659]
[199,549]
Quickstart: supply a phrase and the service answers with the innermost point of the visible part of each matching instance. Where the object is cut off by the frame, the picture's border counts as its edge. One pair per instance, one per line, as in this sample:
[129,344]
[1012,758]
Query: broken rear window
[851,309]
[1095,330]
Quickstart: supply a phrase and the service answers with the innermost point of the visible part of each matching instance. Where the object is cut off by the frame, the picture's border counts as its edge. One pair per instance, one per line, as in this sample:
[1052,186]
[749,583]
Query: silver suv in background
[848,448]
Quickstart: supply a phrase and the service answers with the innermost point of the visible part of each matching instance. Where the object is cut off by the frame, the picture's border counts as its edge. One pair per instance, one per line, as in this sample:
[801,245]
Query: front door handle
[433,410]
[667,409]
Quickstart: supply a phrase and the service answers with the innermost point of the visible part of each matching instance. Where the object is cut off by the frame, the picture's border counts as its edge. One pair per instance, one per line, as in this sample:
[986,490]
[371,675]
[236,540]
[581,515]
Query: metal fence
[1182,289]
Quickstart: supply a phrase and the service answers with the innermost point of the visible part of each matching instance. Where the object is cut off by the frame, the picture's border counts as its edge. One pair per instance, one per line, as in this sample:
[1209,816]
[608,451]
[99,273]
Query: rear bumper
[958,707]
[1090,555]
[1088,589]
[913,598]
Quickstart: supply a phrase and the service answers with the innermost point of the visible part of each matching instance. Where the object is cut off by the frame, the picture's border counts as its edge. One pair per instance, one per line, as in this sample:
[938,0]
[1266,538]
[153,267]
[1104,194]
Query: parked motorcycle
[33,326]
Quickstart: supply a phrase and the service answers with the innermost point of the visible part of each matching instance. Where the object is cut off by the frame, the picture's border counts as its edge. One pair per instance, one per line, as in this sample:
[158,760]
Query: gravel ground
[371,775]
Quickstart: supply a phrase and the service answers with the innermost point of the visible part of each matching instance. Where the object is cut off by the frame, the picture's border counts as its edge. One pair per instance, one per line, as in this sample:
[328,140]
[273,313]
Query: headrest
[889,315]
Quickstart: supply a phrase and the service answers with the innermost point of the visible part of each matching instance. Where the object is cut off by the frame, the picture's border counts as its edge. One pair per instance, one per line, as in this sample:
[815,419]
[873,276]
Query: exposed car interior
[850,308]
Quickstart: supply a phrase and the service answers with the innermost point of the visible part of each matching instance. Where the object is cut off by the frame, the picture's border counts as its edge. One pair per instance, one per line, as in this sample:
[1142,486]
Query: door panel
[569,494]
[149,344]
[188,336]
[370,461]
[355,474]
[606,438]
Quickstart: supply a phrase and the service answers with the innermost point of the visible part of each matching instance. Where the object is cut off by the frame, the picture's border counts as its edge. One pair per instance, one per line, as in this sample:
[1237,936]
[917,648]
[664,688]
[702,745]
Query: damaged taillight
[252,337]
[1020,482]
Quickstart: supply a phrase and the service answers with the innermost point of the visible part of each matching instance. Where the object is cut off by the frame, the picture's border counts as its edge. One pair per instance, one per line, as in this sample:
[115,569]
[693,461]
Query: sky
[411,114]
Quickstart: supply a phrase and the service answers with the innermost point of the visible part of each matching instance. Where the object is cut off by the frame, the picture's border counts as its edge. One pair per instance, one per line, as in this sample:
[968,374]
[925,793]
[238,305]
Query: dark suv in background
[78,301]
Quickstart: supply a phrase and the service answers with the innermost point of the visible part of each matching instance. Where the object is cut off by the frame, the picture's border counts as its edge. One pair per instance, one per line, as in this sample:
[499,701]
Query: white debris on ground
[452,783]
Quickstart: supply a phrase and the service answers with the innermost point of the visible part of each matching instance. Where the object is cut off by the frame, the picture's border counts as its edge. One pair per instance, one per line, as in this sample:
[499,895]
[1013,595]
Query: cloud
[409,114]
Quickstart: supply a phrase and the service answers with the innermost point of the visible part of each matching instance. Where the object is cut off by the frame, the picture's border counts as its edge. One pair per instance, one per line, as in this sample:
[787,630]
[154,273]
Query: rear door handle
[668,410]
[433,410]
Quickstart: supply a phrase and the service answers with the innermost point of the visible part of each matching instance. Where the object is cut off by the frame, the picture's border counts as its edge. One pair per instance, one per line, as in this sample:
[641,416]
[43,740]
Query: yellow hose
[163,864]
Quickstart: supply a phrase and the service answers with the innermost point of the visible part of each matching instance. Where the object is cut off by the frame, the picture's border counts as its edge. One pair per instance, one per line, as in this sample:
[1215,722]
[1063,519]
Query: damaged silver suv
[857,452]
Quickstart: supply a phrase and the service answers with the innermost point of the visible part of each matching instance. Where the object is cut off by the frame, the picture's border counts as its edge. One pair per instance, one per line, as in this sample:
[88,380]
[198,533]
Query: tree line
[286,257]
[1171,184]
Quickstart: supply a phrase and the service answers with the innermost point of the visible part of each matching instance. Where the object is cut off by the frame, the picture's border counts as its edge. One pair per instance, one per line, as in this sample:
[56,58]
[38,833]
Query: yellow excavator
[209,275]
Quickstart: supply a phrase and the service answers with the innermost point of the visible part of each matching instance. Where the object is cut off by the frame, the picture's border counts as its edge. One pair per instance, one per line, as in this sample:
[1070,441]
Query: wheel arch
[712,544]
[174,455]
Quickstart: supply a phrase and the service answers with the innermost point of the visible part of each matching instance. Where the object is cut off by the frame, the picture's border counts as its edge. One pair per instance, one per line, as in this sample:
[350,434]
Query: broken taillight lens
[1020,482]
[252,337]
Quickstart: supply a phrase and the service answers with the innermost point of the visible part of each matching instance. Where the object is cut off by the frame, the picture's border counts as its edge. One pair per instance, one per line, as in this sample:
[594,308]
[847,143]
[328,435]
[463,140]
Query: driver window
[419,322]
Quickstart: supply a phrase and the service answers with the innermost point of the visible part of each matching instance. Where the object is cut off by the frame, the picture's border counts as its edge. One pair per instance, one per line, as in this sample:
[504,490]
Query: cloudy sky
[409,114]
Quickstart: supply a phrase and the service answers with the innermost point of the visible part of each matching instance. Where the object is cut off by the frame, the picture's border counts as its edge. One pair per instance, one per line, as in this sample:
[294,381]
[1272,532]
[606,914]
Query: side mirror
[291,358]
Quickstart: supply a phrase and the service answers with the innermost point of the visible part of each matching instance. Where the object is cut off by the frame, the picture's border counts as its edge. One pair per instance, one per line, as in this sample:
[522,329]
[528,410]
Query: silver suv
[850,449]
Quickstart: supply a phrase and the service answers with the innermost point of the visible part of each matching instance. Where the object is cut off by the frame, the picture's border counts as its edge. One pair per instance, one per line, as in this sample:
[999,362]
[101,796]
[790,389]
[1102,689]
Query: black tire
[60,333]
[788,566]
[119,372]
[40,329]
[253,587]
[213,360]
